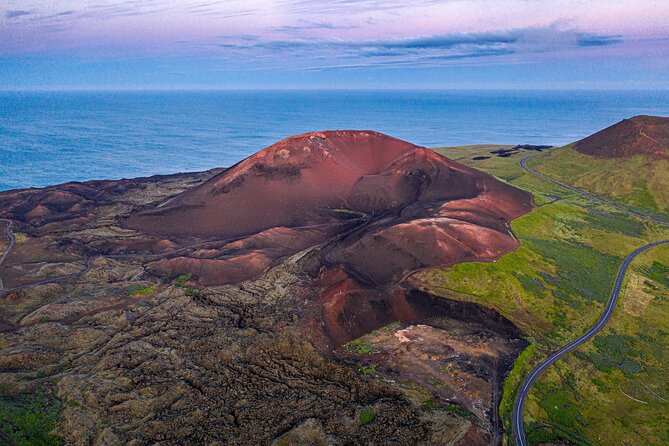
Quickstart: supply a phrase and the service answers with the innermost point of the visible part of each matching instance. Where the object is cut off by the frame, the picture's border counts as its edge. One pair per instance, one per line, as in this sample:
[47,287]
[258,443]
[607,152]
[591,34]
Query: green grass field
[554,287]
[639,182]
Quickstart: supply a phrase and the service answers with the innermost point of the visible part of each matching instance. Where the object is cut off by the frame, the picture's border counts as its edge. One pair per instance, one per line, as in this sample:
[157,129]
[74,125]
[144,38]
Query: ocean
[52,137]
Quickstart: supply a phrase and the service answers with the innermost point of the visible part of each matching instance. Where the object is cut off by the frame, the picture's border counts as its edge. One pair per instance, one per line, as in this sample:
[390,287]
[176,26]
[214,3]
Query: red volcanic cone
[387,207]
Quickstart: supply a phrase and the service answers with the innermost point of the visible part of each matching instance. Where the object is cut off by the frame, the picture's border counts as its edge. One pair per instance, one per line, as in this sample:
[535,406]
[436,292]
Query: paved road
[10,244]
[521,397]
[524,390]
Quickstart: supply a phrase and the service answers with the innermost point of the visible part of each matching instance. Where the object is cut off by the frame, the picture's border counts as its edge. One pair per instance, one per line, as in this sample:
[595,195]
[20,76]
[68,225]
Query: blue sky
[63,44]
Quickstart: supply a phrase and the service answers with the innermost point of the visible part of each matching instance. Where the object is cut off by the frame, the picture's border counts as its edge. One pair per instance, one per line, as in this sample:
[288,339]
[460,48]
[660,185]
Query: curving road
[521,397]
[10,244]
[524,390]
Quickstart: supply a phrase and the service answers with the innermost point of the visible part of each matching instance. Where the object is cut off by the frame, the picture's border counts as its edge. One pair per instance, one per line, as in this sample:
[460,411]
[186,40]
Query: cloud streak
[307,25]
[14,13]
[432,50]
[348,6]
[585,40]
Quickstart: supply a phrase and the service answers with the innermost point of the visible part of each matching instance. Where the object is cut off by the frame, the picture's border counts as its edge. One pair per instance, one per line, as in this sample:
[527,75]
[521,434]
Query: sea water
[52,137]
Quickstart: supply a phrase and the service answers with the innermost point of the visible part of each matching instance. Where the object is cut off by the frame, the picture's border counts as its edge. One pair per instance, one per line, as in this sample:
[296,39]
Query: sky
[261,44]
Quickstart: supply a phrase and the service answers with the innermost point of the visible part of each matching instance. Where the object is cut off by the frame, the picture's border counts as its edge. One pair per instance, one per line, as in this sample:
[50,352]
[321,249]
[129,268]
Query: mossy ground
[367,415]
[614,389]
[141,290]
[28,416]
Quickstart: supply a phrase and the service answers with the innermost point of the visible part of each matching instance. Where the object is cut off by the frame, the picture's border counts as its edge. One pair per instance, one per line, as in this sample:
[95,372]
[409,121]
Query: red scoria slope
[641,135]
[375,205]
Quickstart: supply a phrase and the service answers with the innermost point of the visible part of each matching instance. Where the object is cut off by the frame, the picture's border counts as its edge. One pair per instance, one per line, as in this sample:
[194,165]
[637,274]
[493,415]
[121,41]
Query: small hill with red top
[640,135]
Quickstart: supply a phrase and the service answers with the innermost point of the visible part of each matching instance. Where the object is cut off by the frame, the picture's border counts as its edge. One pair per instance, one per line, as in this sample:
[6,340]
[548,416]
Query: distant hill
[627,162]
[640,135]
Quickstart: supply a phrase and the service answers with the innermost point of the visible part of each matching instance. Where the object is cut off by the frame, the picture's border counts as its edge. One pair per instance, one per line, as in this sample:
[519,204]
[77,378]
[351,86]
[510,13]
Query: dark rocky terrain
[225,307]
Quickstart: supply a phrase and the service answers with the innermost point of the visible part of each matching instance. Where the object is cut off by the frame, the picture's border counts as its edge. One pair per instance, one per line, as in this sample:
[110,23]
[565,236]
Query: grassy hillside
[639,182]
[553,287]
[614,390]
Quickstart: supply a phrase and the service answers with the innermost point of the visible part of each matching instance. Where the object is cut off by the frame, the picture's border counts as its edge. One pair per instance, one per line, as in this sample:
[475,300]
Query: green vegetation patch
[538,433]
[614,351]
[26,419]
[361,346]
[367,415]
[658,272]
[581,269]
[529,283]
[641,195]
[348,213]
[518,372]
[615,222]
[560,409]
[431,404]
[192,292]
[181,280]
[140,290]
[367,369]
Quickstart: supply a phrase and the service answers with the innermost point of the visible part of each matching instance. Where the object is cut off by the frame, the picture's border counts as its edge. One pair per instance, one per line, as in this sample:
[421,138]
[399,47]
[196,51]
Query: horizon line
[280,89]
